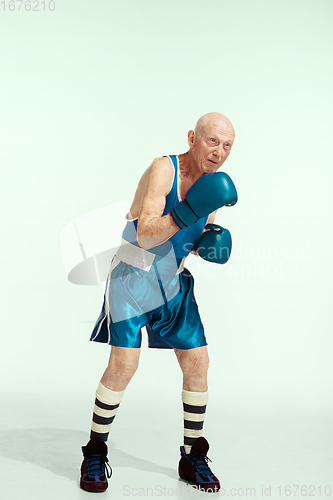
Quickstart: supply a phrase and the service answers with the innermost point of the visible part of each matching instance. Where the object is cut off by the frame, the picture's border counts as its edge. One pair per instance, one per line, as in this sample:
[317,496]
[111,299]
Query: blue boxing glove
[210,192]
[214,244]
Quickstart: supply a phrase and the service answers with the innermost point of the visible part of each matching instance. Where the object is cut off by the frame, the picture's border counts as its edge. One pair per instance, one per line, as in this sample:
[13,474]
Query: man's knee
[124,361]
[200,364]
[193,361]
[124,367]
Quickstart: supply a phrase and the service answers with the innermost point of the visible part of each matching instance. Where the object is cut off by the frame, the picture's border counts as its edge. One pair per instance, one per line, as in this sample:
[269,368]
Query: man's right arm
[154,228]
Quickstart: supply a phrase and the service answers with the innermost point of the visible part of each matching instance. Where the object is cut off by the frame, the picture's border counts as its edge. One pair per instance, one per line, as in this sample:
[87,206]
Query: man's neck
[187,166]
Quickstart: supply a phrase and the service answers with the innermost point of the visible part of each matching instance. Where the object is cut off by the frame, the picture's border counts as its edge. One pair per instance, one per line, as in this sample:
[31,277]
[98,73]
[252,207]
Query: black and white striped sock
[194,405]
[105,409]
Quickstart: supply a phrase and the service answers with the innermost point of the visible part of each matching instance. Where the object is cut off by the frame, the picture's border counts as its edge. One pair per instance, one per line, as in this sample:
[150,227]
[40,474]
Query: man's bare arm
[154,228]
[210,220]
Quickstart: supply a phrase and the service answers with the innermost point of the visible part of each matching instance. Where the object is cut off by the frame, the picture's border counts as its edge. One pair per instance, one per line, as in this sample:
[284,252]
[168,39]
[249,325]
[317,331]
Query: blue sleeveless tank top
[183,240]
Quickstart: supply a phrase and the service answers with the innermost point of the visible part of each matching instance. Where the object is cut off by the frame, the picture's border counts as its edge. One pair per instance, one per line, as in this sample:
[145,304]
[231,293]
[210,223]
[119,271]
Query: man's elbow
[143,241]
[147,242]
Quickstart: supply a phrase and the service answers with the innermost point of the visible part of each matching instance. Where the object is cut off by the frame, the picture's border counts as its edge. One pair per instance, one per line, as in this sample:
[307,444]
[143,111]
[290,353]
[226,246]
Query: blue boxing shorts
[143,289]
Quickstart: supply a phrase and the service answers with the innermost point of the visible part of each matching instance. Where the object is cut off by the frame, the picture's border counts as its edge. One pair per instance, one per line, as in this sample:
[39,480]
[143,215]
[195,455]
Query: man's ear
[191,138]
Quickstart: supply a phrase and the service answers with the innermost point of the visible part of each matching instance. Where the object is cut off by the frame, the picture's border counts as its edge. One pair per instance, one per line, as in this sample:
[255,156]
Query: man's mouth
[214,162]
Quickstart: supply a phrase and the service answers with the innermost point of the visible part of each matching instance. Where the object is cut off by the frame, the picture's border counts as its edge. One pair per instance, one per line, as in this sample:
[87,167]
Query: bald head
[210,143]
[212,120]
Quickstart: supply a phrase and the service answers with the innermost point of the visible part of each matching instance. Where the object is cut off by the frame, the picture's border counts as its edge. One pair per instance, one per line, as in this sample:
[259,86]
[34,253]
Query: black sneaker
[94,465]
[194,466]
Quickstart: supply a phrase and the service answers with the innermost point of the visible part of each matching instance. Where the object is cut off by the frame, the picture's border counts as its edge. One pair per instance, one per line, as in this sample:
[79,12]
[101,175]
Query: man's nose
[218,150]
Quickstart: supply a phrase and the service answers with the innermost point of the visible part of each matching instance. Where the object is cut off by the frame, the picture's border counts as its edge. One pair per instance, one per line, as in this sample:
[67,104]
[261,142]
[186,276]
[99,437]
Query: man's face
[212,146]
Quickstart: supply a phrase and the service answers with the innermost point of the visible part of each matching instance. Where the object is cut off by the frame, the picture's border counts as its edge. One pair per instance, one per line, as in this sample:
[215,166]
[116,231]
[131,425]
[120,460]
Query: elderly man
[172,214]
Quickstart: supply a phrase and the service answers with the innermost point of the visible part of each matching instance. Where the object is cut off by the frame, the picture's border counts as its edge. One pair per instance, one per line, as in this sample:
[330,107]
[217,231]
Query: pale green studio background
[91,93]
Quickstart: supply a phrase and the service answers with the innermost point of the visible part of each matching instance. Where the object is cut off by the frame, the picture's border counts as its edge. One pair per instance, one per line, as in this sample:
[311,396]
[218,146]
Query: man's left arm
[210,220]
